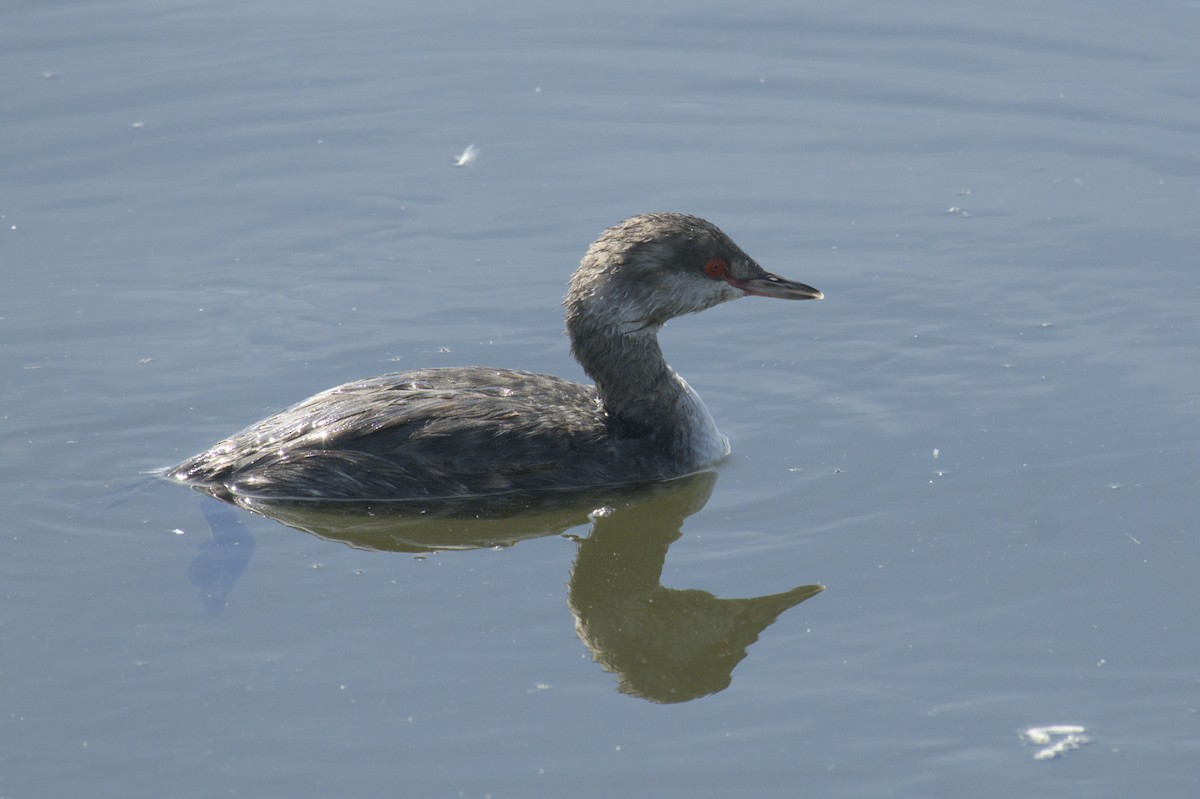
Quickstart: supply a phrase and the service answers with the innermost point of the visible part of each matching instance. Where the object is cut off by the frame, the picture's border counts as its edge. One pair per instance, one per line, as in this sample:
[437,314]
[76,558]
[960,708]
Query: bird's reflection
[663,644]
[223,559]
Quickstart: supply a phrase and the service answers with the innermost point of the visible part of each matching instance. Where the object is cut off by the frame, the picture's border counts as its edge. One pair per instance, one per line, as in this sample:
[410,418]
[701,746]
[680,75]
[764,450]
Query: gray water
[983,443]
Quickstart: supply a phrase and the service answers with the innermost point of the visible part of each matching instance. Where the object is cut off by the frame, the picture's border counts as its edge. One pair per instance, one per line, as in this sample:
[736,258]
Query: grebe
[473,431]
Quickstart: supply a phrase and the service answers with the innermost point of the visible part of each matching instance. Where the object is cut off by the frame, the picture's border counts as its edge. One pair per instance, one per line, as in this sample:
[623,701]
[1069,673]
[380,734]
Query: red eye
[715,267]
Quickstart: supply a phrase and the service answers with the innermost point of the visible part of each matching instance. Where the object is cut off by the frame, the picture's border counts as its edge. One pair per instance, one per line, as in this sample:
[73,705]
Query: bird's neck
[631,375]
[642,393]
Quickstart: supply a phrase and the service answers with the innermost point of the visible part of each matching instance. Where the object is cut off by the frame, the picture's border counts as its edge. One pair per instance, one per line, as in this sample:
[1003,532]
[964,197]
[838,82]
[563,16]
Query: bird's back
[429,433]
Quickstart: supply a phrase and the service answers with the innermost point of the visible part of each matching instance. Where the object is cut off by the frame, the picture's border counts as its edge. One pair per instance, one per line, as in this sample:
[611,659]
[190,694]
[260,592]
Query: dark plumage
[474,431]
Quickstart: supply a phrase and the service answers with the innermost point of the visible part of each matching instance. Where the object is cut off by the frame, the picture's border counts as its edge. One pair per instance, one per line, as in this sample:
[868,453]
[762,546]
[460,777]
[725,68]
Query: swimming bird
[475,431]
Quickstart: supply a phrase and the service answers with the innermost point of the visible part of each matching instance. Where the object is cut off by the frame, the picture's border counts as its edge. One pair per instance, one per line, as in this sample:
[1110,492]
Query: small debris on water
[1055,739]
[468,156]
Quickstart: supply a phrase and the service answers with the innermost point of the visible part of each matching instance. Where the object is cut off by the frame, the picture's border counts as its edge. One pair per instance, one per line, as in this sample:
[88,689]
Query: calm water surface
[983,443]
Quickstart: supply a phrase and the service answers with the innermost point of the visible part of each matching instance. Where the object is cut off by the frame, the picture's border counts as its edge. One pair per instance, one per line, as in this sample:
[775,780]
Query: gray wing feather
[428,433]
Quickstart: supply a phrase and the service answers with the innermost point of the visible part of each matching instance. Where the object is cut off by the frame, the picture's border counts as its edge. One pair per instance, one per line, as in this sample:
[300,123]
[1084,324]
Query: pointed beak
[766,284]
